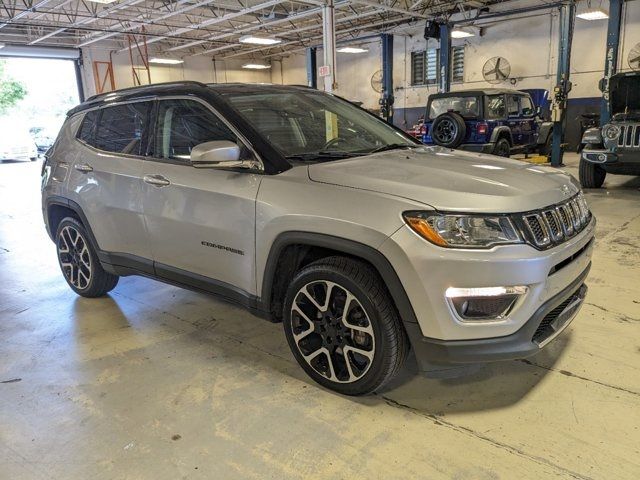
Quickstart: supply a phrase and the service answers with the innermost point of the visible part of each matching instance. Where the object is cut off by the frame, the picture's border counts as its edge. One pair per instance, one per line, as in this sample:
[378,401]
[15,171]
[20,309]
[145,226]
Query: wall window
[183,124]
[122,128]
[425,66]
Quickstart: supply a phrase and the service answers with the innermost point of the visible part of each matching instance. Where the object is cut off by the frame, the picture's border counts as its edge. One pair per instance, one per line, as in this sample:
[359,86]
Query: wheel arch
[292,250]
[543,134]
[501,132]
[58,208]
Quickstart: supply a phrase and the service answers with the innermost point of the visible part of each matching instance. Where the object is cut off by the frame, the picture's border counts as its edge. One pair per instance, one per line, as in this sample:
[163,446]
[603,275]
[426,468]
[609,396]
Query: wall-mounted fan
[496,70]
[634,58]
[376,81]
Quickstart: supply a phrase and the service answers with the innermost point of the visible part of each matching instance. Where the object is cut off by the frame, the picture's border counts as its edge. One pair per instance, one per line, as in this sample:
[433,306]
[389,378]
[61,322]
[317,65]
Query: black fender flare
[498,131]
[546,129]
[348,247]
[77,209]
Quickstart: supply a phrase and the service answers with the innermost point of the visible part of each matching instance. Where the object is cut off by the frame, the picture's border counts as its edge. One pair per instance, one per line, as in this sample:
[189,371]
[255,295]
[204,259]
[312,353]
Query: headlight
[463,231]
[611,132]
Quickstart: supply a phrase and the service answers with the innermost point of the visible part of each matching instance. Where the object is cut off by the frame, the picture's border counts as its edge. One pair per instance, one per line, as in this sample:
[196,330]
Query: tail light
[424,129]
[482,128]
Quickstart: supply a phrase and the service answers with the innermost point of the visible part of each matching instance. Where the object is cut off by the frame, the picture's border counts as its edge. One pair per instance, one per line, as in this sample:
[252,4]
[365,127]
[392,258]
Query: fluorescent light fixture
[165,61]
[1,45]
[256,66]
[593,14]
[457,33]
[102,1]
[351,50]
[259,40]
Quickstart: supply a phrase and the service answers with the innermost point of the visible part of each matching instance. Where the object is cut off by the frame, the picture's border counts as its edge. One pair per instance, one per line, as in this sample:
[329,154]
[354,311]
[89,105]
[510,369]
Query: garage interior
[154,381]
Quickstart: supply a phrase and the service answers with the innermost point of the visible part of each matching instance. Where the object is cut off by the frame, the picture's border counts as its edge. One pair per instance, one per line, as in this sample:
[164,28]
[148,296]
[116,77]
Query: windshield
[625,94]
[310,125]
[467,107]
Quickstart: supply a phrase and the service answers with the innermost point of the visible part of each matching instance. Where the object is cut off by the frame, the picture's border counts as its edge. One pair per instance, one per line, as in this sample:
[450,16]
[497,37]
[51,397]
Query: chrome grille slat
[553,225]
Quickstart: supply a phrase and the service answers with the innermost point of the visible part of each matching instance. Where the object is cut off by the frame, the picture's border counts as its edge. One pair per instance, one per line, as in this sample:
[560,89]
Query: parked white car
[16,143]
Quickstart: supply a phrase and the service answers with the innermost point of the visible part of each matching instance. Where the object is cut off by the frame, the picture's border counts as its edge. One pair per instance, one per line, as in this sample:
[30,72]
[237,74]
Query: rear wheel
[342,326]
[502,148]
[591,175]
[79,262]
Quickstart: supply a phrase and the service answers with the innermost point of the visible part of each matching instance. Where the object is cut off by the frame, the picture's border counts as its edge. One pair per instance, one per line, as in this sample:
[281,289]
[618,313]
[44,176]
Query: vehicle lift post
[563,84]
[312,67]
[611,58]
[445,58]
[386,102]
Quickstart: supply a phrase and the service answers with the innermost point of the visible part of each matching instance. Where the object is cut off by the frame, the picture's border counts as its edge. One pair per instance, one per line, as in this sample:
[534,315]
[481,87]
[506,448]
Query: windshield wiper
[391,146]
[322,155]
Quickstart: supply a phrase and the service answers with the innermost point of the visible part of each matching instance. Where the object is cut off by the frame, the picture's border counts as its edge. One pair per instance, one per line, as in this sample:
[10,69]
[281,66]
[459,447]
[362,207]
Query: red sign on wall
[324,71]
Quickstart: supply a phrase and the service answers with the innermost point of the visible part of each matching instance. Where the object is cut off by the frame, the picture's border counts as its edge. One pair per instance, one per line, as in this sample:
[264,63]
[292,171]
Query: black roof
[177,88]
[479,91]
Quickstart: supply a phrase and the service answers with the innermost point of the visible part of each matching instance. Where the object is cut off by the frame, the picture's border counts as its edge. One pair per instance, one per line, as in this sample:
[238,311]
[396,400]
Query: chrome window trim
[152,158]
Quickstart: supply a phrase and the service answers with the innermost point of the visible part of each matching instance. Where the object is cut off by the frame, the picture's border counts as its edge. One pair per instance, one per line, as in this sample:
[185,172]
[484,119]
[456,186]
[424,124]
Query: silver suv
[310,211]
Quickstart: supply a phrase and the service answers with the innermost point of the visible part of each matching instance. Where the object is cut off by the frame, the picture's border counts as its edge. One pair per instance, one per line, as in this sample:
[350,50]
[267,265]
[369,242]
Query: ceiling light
[256,66]
[259,40]
[165,61]
[102,1]
[593,14]
[1,45]
[457,33]
[352,50]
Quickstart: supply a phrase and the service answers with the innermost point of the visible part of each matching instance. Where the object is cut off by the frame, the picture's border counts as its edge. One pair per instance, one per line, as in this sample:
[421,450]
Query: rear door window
[495,107]
[123,128]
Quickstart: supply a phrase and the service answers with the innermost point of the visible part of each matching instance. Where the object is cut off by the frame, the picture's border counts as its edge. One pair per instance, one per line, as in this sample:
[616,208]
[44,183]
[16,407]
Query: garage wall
[197,68]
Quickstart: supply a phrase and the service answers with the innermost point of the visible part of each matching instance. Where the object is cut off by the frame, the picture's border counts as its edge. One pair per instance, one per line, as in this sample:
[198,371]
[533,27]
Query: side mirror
[217,154]
[602,84]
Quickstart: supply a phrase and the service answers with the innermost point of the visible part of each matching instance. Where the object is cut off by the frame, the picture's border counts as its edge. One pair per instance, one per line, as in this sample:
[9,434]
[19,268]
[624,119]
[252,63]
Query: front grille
[629,136]
[556,224]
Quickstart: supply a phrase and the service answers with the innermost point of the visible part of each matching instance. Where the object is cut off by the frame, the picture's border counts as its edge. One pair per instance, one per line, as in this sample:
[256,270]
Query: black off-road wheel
[79,262]
[342,326]
[591,175]
[448,130]
[502,148]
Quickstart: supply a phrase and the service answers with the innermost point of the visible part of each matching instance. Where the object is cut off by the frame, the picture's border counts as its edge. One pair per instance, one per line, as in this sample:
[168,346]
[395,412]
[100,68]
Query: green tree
[11,91]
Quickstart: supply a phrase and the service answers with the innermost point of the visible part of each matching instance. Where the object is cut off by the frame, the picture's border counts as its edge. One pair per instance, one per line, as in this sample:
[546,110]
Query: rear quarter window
[123,128]
[87,129]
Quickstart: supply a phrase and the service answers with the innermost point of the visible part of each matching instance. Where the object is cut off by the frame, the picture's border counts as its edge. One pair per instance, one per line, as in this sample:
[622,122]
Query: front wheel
[342,327]
[79,262]
[591,175]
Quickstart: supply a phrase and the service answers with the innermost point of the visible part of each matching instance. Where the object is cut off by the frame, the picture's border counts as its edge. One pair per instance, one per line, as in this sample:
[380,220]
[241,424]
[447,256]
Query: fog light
[488,303]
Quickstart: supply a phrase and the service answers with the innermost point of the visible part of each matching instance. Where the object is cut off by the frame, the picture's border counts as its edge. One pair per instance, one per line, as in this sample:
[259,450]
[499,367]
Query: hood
[451,180]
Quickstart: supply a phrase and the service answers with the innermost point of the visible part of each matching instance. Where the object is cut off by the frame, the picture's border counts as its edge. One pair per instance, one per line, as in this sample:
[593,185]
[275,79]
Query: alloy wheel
[74,257]
[332,331]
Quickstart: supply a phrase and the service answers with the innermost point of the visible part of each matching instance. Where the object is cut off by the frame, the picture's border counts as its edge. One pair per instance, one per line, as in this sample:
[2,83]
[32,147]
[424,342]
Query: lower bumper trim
[521,344]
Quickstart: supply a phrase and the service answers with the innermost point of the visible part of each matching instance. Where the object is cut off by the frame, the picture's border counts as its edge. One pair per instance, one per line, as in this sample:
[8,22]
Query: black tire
[502,148]
[371,307]
[79,263]
[448,130]
[591,175]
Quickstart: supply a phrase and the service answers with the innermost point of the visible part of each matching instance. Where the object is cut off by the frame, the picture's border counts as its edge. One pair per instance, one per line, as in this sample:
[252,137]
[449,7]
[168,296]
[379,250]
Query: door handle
[156,180]
[83,167]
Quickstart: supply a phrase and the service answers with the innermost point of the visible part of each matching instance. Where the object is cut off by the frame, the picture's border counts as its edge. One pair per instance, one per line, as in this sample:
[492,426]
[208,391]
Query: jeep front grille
[553,225]
[629,136]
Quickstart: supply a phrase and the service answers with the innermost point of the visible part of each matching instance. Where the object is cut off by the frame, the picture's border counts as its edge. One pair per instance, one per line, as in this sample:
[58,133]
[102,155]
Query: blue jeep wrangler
[496,121]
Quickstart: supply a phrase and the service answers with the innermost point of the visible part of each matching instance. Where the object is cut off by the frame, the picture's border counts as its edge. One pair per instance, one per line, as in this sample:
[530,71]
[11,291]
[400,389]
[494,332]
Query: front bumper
[607,157]
[545,325]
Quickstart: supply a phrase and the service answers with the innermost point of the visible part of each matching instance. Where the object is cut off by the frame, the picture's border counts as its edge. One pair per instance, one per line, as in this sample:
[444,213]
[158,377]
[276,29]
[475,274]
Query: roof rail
[151,86]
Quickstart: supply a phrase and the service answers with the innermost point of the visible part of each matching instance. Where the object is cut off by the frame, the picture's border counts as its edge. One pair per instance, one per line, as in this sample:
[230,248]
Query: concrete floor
[161,383]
